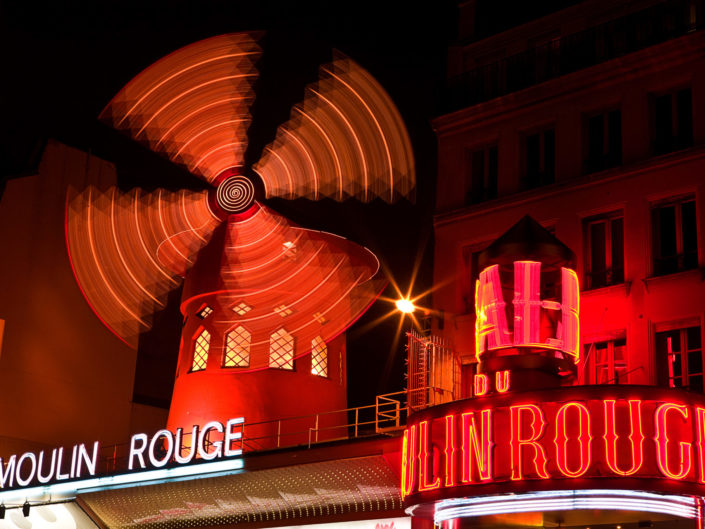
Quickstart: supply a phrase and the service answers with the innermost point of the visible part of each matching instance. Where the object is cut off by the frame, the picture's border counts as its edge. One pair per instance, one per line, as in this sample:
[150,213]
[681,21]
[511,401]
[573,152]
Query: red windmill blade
[259,292]
[346,139]
[129,250]
[193,105]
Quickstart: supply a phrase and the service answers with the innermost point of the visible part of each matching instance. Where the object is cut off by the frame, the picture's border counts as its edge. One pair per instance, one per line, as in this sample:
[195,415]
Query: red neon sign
[491,324]
[583,438]
[408,461]
[636,438]
[519,440]
[491,328]
[700,415]
[561,434]
[450,451]
[425,470]
[662,440]
[502,380]
[481,385]
[477,446]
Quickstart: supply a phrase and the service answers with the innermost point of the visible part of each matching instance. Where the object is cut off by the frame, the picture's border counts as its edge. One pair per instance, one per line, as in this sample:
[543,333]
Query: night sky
[63,63]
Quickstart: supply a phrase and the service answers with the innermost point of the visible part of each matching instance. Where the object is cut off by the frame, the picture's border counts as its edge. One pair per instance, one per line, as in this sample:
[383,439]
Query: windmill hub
[235,194]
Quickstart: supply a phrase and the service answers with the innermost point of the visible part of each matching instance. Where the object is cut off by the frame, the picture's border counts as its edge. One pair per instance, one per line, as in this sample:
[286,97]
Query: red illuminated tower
[265,303]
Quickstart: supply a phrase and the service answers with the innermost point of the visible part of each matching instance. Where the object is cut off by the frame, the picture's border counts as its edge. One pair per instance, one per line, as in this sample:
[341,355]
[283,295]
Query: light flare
[405,305]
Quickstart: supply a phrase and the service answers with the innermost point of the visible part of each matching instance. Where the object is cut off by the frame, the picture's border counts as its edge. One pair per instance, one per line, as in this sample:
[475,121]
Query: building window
[283,310]
[672,128]
[281,350]
[604,250]
[319,357]
[237,348]
[539,159]
[674,236]
[481,175]
[603,141]
[205,312]
[241,308]
[200,351]
[680,352]
[607,361]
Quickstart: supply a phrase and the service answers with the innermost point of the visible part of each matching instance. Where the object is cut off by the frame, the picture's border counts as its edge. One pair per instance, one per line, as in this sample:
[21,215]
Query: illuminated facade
[589,120]
[265,305]
[566,378]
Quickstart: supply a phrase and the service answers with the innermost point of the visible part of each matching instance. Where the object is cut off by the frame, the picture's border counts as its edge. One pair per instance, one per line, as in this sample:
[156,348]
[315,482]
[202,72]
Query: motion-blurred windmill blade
[346,139]
[276,279]
[128,250]
[193,106]
[263,280]
[258,291]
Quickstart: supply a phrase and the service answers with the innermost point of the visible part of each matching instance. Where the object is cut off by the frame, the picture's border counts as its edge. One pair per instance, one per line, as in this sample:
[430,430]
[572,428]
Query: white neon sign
[682,506]
[70,489]
[66,472]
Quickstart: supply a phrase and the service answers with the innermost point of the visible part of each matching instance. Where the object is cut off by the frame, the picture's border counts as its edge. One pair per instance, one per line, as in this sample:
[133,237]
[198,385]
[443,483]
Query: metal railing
[385,417]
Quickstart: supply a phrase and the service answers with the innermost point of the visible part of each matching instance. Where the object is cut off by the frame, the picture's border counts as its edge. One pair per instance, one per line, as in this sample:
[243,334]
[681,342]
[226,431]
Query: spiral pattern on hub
[235,194]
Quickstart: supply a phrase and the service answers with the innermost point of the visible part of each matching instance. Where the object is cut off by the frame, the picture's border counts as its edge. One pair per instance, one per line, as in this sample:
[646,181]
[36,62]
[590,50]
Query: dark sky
[62,62]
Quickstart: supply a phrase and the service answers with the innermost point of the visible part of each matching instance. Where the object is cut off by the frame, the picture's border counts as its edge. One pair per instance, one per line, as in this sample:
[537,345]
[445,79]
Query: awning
[290,494]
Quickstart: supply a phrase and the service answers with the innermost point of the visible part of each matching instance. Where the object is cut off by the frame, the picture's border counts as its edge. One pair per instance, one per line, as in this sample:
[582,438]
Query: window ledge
[609,289]
[696,273]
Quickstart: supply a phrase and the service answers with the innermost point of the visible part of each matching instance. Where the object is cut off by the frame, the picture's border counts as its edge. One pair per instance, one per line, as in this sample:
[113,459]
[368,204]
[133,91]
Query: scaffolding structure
[433,371]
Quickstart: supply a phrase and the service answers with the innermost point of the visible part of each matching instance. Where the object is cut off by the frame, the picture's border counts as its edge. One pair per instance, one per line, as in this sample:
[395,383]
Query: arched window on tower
[237,348]
[319,357]
[200,351]
[281,350]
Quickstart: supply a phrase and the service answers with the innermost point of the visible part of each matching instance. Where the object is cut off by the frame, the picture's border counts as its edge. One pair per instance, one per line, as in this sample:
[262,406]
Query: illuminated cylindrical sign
[549,324]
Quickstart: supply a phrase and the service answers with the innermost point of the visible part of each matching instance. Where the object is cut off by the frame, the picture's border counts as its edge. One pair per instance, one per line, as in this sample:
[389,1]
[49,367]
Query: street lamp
[405,305]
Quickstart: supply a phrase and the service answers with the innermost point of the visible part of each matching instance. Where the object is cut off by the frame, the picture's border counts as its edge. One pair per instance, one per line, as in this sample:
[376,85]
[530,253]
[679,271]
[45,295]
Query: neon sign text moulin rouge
[597,432]
[213,440]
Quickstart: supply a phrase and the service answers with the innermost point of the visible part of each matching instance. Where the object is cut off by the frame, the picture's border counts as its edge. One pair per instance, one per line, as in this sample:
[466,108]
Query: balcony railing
[386,416]
[627,34]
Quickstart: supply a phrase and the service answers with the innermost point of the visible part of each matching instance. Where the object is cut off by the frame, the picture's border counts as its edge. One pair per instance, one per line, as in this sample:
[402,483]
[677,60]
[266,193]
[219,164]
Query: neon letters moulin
[634,437]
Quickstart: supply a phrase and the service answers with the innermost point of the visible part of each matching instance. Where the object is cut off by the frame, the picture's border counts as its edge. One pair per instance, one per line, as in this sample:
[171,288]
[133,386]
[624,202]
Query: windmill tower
[265,302]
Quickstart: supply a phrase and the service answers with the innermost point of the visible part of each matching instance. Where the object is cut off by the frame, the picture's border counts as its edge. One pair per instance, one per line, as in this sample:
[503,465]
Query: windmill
[264,302]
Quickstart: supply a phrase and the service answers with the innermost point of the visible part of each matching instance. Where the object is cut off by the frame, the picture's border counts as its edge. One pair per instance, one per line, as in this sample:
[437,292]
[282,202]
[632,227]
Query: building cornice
[666,55]
[569,186]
